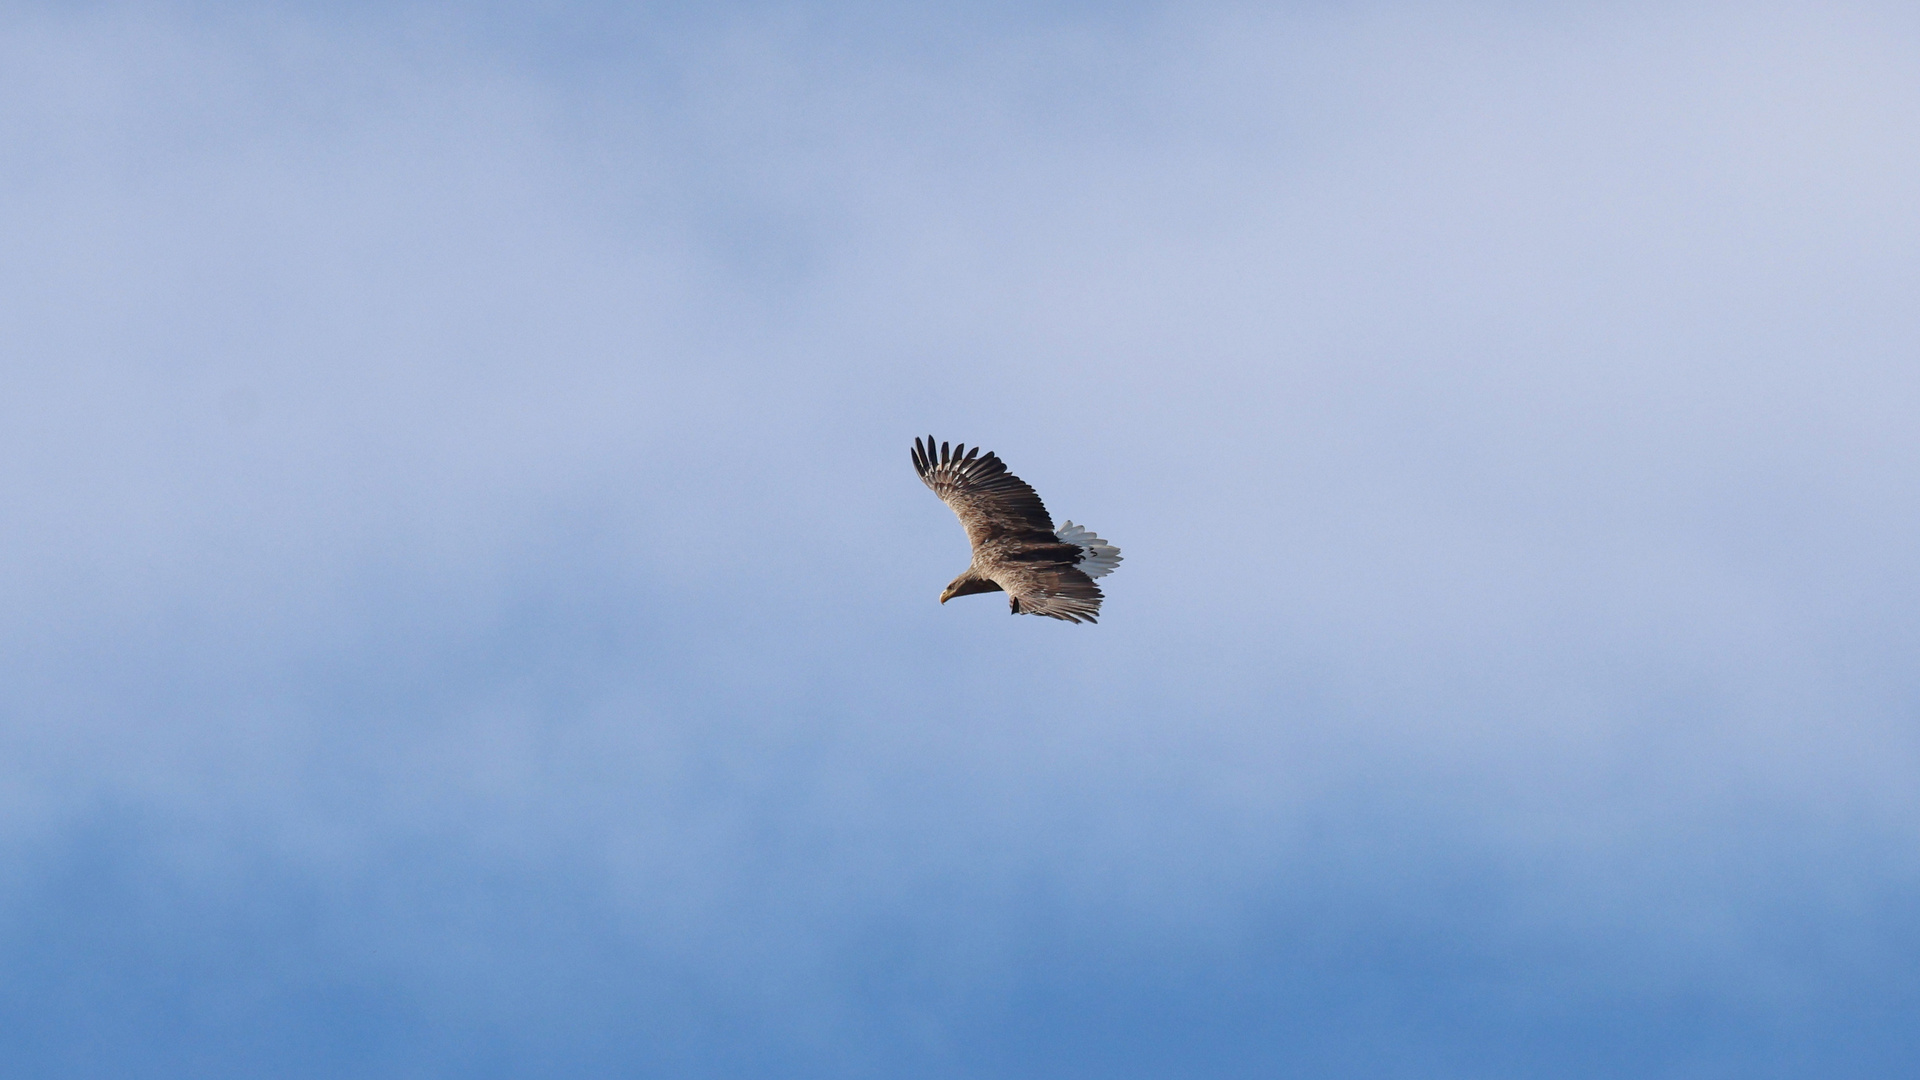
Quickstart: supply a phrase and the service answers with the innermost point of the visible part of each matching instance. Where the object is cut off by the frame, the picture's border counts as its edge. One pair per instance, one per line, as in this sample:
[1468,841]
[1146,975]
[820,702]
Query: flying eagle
[1016,549]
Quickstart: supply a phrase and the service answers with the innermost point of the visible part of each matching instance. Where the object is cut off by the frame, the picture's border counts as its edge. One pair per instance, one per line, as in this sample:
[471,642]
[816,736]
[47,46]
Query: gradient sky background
[468,611]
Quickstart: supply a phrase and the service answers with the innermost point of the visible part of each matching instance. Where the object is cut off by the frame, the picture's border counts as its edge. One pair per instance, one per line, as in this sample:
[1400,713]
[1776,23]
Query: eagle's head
[966,585]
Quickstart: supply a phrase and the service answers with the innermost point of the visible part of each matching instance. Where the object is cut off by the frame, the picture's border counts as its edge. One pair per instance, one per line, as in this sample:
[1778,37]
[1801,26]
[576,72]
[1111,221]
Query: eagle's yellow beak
[946,594]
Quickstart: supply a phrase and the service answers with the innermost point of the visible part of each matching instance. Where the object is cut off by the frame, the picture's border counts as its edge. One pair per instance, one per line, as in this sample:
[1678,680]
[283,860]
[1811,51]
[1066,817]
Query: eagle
[1016,549]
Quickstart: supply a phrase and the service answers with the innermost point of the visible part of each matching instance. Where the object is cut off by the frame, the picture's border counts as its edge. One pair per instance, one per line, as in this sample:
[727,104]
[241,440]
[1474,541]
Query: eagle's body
[1016,549]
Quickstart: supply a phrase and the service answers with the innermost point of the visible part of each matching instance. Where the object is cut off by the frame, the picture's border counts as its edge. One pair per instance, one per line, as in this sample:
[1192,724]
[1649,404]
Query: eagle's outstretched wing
[992,503]
[1057,591]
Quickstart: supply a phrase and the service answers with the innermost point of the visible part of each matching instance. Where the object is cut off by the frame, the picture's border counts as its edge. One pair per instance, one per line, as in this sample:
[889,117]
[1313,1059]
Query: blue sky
[469,613]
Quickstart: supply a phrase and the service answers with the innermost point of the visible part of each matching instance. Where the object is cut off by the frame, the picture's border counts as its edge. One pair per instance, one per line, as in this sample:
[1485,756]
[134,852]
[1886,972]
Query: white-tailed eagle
[1016,549]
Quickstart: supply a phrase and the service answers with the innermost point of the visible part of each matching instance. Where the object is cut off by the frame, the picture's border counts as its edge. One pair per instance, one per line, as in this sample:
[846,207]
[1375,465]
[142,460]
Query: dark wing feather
[993,504]
[1058,591]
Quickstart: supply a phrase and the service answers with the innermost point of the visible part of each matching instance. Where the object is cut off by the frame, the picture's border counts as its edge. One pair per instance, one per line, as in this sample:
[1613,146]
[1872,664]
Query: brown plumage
[1016,549]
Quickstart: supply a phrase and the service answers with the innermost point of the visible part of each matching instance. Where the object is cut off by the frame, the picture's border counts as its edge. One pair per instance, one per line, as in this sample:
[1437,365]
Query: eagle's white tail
[1097,557]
